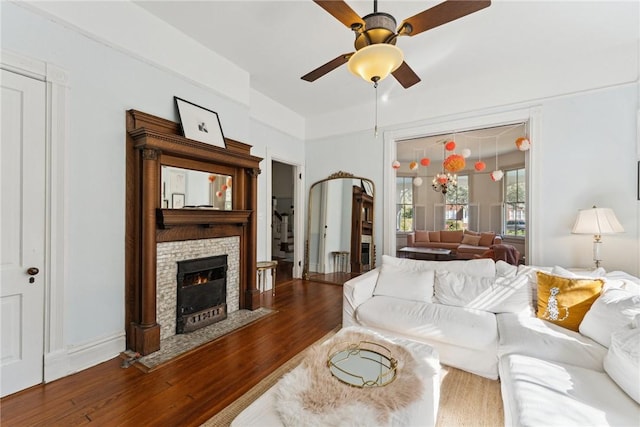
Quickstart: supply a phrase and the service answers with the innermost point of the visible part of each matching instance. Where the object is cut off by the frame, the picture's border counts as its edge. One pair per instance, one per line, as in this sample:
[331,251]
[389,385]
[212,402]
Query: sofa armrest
[411,239]
[497,240]
[355,292]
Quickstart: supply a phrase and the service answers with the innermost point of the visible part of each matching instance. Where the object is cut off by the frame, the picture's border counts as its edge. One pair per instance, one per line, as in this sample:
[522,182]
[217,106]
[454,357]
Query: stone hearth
[169,253]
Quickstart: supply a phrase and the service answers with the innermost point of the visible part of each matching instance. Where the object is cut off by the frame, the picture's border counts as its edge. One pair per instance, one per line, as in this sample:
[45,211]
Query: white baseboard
[77,358]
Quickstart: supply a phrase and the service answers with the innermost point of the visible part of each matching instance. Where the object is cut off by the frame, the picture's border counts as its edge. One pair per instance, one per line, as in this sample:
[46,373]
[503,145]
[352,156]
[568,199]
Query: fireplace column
[146,328]
[252,295]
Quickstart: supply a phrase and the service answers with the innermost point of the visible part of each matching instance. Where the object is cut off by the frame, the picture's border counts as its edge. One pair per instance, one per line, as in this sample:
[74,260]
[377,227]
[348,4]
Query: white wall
[586,154]
[104,83]
[591,140]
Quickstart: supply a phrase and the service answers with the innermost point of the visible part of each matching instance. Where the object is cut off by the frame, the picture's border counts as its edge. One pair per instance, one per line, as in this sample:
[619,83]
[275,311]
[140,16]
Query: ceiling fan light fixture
[375,62]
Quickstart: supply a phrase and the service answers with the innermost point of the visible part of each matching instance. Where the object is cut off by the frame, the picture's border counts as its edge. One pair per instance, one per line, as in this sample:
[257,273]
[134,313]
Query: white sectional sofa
[481,317]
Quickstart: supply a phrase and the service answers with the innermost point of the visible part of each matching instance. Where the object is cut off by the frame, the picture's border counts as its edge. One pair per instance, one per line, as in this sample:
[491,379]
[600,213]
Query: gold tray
[363,364]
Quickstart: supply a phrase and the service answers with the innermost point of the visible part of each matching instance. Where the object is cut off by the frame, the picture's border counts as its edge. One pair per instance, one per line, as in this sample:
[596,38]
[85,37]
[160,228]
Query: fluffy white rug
[310,396]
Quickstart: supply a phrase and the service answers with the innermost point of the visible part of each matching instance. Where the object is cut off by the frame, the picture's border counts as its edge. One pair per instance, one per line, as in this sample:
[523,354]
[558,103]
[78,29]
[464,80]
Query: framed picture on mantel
[199,123]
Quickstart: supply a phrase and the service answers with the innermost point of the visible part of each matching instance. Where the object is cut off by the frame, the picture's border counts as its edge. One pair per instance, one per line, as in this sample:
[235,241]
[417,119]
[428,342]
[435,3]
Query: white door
[22,228]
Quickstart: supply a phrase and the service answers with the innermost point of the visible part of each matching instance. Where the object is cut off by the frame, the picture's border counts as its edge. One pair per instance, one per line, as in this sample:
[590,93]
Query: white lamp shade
[377,60]
[597,221]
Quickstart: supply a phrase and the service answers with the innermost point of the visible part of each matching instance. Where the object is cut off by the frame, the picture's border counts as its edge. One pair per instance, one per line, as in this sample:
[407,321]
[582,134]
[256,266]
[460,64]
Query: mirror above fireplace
[188,188]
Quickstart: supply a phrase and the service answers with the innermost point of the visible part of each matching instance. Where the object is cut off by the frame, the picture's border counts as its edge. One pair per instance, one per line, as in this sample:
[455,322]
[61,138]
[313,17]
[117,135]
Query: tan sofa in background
[464,244]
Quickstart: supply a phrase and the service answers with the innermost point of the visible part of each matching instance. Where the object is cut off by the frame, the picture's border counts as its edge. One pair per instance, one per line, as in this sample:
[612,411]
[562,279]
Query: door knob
[33,271]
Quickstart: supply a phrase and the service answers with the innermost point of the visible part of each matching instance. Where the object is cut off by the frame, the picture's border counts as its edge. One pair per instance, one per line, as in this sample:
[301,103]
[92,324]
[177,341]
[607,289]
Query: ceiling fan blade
[329,66]
[405,75]
[446,11]
[341,11]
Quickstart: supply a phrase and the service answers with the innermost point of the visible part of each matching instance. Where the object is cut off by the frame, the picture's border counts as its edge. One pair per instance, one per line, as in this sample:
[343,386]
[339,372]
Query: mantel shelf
[167,218]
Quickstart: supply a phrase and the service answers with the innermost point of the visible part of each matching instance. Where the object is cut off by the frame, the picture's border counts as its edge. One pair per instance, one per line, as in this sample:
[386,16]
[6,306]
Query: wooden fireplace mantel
[151,143]
[167,218]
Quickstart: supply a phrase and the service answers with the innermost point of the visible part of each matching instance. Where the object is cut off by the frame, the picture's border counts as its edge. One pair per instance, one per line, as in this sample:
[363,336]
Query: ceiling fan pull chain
[375,128]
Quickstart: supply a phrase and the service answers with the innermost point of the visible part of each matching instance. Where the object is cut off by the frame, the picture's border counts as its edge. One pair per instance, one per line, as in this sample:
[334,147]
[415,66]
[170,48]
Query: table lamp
[597,221]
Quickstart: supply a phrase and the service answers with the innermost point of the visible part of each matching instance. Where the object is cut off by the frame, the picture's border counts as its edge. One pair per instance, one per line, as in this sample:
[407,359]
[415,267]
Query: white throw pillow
[495,295]
[599,273]
[578,274]
[530,272]
[635,323]
[484,267]
[623,275]
[504,269]
[407,284]
[624,281]
[622,362]
[613,310]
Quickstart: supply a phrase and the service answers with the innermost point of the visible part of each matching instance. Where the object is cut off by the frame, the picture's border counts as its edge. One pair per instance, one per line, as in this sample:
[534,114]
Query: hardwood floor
[190,390]
[334,278]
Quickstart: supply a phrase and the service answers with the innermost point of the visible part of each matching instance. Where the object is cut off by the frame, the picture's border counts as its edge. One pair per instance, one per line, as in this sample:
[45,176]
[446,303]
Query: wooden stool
[262,266]
[340,261]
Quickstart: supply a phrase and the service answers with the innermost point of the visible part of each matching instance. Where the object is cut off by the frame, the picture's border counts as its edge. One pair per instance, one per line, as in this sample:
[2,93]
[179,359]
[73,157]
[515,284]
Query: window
[404,204]
[457,205]
[515,203]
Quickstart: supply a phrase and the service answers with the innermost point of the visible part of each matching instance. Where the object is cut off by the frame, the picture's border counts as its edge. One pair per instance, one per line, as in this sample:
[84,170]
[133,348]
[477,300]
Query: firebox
[202,293]
[365,251]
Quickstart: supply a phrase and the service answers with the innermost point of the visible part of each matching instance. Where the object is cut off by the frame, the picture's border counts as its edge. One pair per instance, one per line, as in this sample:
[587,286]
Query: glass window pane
[456,209]
[515,202]
[404,203]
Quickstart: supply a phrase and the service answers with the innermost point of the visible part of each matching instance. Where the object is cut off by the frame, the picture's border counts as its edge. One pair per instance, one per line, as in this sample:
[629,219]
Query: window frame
[520,200]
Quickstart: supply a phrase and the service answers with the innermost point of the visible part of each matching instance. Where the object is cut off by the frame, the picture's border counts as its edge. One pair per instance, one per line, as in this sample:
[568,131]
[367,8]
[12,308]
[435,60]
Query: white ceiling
[279,41]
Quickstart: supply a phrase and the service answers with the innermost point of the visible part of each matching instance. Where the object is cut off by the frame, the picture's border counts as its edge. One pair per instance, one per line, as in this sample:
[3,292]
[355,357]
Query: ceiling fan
[376,37]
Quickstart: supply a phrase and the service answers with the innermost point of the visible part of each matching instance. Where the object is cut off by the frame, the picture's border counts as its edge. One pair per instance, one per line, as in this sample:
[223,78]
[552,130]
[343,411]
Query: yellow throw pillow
[565,301]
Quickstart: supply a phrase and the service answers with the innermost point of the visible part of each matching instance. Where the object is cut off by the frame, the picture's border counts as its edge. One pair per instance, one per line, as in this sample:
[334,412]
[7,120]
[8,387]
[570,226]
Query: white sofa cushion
[535,337]
[496,295]
[504,269]
[538,392]
[622,361]
[454,325]
[613,310]
[484,267]
[415,285]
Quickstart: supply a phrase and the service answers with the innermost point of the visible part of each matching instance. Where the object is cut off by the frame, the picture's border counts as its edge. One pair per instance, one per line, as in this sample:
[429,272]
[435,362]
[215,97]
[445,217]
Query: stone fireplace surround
[168,255]
[152,142]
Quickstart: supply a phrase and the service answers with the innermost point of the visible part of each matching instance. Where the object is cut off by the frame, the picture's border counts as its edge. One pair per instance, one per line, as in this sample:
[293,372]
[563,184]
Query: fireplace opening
[365,254]
[202,293]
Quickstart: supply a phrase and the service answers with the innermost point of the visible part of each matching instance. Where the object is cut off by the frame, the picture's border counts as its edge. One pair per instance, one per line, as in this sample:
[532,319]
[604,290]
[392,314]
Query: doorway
[283,219]
[477,201]
[528,116]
